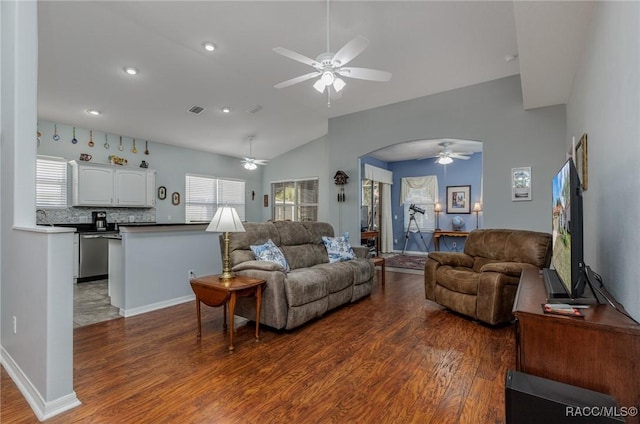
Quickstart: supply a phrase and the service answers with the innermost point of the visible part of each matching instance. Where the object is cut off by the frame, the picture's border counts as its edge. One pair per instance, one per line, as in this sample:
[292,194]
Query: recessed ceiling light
[226,109]
[93,112]
[130,70]
[208,46]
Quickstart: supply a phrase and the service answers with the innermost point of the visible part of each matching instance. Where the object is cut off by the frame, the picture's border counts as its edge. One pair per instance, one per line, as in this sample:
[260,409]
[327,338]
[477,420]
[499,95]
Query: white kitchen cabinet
[112,186]
[92,185]
[151,188]
[131,187]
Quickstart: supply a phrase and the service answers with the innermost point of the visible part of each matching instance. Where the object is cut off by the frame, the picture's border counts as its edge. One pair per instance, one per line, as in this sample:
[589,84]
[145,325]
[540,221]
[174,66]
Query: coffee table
[215,291]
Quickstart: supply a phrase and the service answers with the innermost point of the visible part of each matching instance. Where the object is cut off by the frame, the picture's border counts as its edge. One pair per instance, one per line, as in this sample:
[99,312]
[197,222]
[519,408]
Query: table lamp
[226,220]
[437,209]
[477,209]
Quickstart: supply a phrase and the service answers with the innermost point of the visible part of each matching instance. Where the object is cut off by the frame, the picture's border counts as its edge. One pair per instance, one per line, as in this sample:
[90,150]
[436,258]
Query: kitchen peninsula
[149,264]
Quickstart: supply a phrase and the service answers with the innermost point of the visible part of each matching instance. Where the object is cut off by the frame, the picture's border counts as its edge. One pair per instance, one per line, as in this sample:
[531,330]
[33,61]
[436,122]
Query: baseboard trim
[155,306]
[43,409]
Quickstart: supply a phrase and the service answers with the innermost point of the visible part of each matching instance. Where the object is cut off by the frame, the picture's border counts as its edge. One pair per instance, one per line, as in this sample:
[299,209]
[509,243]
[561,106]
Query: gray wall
[170,162]
[604,104]
[490,112]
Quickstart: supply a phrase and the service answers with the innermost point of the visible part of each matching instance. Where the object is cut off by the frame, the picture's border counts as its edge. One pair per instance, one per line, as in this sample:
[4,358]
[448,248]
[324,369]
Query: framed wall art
[459,199]
[580,158]
[520,184]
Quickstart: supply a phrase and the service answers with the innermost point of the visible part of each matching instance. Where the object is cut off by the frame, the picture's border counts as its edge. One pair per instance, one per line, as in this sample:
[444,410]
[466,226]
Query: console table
[439,233]
[599,352]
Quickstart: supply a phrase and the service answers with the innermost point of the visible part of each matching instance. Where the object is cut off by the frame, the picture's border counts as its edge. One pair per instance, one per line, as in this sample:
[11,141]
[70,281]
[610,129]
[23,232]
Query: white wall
[490,112]
[604,103]
[170,162]
[36,269]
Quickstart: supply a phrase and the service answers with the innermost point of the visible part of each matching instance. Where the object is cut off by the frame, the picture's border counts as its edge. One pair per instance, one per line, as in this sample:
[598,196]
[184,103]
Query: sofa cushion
[338,248]
[461,280]
[305,285]
[339,276]
[292,233]
[363,270]
[269,252]
[510,246]
[305,255]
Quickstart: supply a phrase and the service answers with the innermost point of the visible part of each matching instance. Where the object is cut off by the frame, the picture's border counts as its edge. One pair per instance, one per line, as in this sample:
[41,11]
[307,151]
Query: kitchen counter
[149,265]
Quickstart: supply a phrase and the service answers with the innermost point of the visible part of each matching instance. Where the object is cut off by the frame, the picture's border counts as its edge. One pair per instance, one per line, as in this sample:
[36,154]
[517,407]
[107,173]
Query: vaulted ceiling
[428,46]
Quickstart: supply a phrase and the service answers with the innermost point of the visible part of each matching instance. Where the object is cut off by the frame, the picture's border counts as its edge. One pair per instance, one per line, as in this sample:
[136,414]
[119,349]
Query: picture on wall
[520,184]
[459,199]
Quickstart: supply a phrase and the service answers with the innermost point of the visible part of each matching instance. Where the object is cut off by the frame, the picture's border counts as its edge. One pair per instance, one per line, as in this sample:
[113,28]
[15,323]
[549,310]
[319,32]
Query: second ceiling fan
[330,67]
[447,155]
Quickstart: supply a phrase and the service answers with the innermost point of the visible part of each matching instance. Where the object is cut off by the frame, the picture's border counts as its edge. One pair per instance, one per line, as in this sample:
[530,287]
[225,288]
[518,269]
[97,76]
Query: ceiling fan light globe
[319,85]
[328,78]
[445,160]
[339,84]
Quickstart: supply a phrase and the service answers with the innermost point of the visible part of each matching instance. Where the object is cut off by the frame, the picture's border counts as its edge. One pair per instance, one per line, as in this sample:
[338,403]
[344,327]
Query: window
[51,182]
[204,195]
[295,200]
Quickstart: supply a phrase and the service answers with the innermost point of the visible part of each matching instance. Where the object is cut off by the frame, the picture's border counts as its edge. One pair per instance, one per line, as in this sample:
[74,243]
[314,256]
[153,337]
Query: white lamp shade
[437,207]
[226,220]
[477,207]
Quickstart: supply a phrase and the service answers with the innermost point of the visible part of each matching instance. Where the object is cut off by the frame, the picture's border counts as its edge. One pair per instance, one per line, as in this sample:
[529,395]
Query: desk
[598,352]
[214,291]
[439,233]
[375,235]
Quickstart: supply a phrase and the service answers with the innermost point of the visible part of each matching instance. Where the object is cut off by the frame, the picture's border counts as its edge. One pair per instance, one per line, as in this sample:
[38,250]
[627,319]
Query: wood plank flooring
[393,357]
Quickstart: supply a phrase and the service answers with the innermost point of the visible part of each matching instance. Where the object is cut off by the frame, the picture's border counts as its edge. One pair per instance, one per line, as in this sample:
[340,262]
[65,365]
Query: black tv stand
[557,293]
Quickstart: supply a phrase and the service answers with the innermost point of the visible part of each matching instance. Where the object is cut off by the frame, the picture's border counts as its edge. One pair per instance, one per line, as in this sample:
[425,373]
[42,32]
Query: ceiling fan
[250,163]
[330,67]
[447,155]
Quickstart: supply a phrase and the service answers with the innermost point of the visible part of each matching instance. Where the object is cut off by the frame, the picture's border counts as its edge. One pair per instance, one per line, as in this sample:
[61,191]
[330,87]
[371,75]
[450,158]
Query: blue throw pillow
[338,248]
[271,253]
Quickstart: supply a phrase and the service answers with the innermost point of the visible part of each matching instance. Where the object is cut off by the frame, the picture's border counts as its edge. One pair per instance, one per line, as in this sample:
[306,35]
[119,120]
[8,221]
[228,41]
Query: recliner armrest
[452,259]
[509,268]
[257,265]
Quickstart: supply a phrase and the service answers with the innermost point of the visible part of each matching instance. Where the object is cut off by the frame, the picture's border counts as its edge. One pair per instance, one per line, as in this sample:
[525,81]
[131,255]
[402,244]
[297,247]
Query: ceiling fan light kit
[250,163]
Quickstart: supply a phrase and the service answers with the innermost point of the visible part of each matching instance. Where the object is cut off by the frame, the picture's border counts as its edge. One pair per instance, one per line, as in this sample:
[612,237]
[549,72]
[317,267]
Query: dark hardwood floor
[393,357]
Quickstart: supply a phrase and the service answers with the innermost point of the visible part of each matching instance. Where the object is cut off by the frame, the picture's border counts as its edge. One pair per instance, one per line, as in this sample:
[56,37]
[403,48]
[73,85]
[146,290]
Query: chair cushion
[461,280]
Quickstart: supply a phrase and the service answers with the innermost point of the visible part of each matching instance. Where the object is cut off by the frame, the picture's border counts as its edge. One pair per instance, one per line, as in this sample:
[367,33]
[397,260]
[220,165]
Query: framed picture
[162,192]
[175,198]
[580,157]
[459,199]
[520,184]
[265,201]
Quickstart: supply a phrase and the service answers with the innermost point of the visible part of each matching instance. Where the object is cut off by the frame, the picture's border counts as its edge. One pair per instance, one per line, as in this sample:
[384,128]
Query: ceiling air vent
[196,109]
[255,109]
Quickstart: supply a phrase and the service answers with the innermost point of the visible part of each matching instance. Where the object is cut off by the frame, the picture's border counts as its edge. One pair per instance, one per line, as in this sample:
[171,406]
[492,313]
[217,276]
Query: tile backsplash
[82,215]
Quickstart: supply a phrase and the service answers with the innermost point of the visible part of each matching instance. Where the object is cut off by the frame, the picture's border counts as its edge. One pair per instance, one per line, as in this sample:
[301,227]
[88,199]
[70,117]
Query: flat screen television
[568,276]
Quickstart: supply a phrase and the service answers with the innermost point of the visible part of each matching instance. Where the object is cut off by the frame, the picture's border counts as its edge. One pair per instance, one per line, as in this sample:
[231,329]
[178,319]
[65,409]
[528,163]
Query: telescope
[417,209]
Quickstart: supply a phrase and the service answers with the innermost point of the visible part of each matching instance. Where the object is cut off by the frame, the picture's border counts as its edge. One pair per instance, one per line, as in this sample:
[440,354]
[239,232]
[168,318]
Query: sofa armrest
[274,300]
[361,252]
[513,269]
[257,265]
[452,259]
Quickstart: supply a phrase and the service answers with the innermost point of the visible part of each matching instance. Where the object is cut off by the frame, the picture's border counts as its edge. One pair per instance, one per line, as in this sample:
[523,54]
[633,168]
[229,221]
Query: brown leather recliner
[482,281]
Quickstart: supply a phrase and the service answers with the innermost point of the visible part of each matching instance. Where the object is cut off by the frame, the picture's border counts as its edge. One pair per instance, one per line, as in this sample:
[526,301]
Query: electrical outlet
[15,325]
[454,245]
[192,274]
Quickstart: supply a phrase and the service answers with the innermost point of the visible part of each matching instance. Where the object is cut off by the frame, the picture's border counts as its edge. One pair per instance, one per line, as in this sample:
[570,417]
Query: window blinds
[205,194]
[51,182]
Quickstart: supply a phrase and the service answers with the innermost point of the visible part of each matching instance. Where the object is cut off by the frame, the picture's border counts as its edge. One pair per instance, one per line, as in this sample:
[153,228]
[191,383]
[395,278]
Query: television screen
[567,256]
[561,225]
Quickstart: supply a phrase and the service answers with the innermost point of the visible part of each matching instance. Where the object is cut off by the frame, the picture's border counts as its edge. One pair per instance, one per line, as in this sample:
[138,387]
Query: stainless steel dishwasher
[94,255]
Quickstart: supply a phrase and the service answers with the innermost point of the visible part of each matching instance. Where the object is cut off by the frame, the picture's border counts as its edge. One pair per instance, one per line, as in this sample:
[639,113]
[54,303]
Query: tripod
[412,219]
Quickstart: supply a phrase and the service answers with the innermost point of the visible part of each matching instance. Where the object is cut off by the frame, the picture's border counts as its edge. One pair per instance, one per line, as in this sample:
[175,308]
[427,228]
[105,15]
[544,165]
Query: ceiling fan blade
[350,50]
[297,80]
[457,156]
[295,56]
[365,74]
